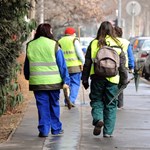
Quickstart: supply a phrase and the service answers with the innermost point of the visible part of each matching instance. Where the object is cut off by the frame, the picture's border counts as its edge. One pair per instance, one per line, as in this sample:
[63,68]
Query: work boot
[97,129]
[42,135]
[61,132]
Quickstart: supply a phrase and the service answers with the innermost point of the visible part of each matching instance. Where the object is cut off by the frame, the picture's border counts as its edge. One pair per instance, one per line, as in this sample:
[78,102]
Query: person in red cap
[74,59]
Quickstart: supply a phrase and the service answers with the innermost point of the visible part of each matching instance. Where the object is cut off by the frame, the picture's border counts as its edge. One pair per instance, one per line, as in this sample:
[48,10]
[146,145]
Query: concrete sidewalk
[132,130]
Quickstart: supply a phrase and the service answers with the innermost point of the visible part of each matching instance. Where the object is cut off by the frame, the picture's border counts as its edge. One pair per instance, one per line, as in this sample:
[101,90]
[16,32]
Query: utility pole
[119,13]
[32,11]
[41,12]
[147,21]
[133,16]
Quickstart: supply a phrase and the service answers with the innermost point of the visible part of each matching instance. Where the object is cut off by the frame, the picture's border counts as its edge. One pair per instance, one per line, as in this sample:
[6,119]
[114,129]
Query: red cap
[70,30]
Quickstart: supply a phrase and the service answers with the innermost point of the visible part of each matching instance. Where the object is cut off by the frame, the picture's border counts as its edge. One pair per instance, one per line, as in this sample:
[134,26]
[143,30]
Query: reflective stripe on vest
[95,48]
[44,73]
[42,60]
[67,45]
[42,64]
[69,52]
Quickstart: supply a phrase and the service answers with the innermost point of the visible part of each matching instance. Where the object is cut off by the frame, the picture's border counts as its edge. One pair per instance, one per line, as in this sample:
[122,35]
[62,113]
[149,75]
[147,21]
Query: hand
[124,84]
[131,70]
[120,86]
[85,84]
[81,67]
[65,86]
[66,89]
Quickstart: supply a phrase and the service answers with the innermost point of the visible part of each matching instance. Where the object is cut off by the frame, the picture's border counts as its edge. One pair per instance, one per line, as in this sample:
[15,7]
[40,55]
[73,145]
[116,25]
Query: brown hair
[118,31]
[105,29]
[44,30]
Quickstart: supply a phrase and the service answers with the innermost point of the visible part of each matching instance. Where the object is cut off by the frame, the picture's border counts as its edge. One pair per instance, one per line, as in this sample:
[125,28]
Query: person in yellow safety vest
[74,59]
[46,70]
[103,89]
[125,44]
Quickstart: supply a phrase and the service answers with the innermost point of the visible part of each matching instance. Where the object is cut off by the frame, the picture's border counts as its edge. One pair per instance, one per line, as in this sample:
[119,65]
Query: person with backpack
[103,88]
[74,59]
[46,70]
[125,44]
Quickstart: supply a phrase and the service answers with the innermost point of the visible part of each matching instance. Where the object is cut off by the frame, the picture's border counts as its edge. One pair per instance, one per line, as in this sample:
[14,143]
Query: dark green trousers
[102,92]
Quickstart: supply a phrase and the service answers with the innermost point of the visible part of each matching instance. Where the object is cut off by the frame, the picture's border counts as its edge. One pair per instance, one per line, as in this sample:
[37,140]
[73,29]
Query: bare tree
[62,13]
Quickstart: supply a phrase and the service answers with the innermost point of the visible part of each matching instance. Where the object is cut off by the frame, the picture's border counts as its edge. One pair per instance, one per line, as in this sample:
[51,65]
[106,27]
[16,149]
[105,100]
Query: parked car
[146,68]
[141,49]
[85,41]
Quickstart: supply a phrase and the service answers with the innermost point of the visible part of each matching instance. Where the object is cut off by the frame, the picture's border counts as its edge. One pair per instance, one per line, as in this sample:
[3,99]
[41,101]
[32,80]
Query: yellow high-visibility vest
[72,61]
[43,68]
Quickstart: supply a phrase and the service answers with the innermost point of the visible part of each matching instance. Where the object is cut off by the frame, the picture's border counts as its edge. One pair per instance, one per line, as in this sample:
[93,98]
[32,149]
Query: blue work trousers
[74,86]
[48,111]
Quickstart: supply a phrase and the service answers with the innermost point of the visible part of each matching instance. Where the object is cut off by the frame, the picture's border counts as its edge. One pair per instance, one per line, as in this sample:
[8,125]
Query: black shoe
[97,129]
[42,135]
[57,134]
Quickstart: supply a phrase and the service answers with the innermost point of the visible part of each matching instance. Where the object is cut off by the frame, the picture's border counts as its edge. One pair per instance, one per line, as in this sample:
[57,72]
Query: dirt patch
[10,120]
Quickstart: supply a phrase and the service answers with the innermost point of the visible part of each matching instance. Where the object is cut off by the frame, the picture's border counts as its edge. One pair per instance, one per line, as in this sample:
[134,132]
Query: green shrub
[14,30]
